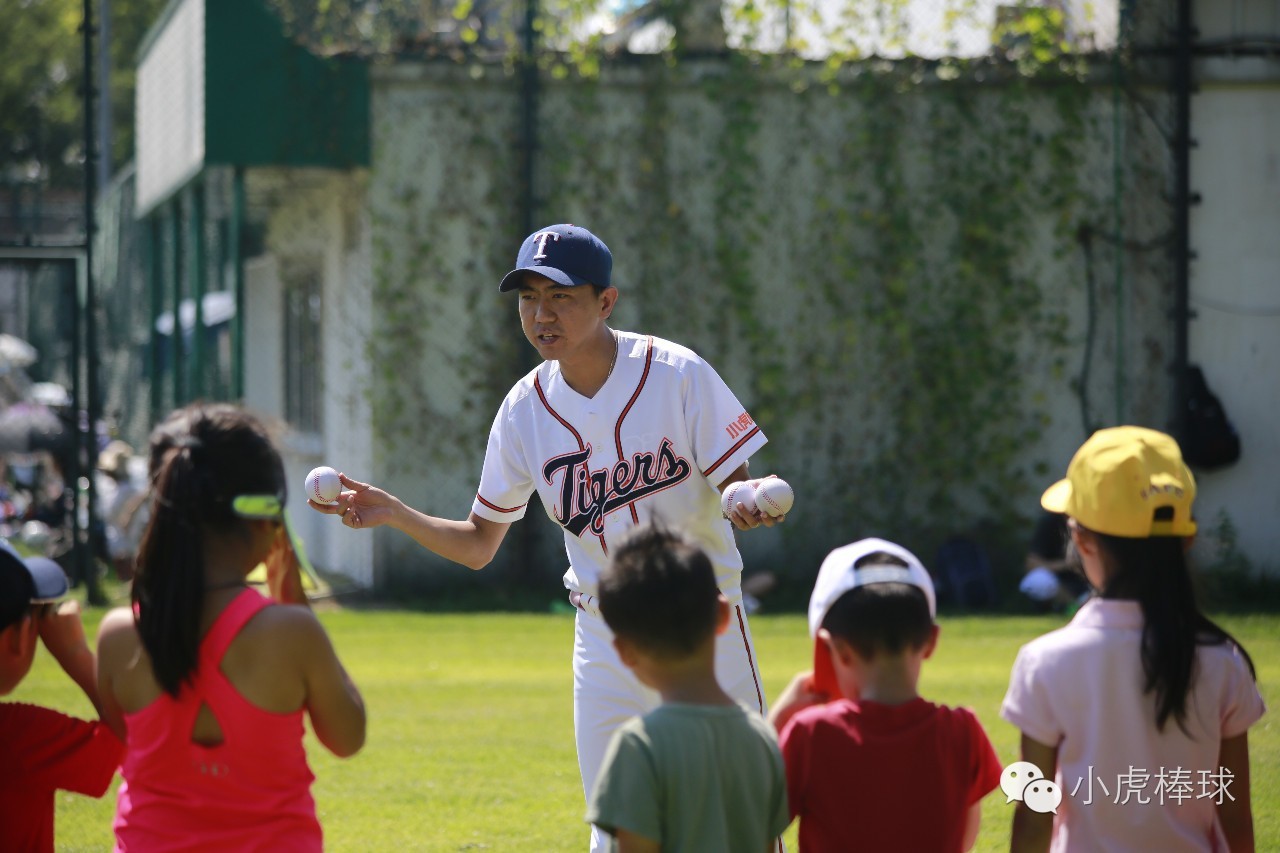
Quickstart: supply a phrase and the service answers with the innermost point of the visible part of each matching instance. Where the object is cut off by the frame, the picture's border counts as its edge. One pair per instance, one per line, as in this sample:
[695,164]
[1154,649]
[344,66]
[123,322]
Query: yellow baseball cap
[1119,478]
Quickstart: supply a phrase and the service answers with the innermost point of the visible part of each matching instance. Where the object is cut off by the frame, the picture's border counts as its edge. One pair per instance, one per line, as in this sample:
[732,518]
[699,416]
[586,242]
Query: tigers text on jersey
[655,442]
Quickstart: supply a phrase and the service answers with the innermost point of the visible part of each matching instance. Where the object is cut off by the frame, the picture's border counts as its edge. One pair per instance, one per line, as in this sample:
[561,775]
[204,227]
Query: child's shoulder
[960,722]
[118,634]
[1076,637]
[679,720]
[291,628]
[848,715]
[15,714]
[44,731]
[44,747]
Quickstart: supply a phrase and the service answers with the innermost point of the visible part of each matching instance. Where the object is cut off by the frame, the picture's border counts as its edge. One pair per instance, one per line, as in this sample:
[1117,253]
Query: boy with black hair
[870,764]
[41,750]
[699,772]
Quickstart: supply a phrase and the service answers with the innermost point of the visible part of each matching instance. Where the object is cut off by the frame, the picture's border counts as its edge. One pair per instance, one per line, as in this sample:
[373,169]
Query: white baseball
[323,485]
[775,496]
[740,492]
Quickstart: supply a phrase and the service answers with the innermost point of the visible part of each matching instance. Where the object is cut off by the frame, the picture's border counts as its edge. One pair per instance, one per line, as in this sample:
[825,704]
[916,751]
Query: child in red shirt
[870,764]
[41,750]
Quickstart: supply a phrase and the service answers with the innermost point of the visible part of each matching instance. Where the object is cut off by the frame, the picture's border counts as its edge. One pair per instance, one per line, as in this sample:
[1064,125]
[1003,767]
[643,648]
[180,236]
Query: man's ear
[722,614]
[608,301]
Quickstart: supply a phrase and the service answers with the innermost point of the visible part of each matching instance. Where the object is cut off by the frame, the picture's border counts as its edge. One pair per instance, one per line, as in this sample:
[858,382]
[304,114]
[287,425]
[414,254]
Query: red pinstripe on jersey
[537,386]
[496,508]
[617,430]
[731,451]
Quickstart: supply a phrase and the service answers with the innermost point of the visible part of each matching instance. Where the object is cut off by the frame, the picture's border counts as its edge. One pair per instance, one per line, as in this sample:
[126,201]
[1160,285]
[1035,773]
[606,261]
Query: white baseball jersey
[655,442]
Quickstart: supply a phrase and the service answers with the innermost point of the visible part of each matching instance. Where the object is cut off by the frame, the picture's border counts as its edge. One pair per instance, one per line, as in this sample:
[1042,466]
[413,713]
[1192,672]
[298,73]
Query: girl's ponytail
[1154,572]
[201,457]
[168,590]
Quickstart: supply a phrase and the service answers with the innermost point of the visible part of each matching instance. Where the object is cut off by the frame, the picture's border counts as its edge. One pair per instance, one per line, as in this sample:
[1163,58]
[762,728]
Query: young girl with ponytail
[205,679]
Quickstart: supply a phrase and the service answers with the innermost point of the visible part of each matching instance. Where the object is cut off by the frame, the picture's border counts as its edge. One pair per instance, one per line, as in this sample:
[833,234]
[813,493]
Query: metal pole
[528,212]
[195,272]
[176,354]
[237,273]
[71,487]
[104,99]
[92,410]
[155,277]
[1182,84]
[1117,204]
[529,118]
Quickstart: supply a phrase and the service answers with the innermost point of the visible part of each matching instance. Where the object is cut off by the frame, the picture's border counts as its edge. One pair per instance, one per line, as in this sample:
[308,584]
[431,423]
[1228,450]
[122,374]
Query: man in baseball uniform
[612,430]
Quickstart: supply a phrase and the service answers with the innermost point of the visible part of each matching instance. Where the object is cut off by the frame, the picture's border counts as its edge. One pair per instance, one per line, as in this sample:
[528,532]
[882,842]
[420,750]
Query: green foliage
[41,114]
[911,299]
[1229,579]
[872,258]
[422,329]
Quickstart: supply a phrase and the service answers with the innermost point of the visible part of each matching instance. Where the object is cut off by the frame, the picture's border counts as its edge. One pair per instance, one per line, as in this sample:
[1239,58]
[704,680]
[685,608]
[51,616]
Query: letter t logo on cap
[541,238]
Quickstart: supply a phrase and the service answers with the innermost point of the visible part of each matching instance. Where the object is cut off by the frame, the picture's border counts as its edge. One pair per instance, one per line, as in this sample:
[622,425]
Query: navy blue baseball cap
[566,254]
[48,581]
[24,582]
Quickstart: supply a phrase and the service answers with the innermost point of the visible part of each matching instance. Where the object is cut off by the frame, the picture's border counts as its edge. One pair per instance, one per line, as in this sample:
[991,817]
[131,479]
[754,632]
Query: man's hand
[362,505]
[738,514]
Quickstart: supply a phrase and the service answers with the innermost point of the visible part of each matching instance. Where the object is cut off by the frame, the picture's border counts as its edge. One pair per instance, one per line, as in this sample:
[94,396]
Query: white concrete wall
[1235,294]
[646,170]
[264,342]
[317,223]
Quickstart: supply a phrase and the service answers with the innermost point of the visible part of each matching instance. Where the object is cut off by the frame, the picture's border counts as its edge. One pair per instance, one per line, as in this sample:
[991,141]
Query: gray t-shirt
[694,778]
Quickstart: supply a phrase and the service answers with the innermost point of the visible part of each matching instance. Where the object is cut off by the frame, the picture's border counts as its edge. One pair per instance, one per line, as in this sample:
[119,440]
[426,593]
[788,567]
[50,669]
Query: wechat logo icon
[1023,781]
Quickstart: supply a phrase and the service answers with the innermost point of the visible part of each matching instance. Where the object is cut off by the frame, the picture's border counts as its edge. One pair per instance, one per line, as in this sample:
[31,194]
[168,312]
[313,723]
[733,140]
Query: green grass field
[471,737]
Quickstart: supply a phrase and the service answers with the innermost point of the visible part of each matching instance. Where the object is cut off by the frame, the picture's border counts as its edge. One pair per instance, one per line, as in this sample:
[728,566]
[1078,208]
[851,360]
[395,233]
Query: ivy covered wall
[928,284]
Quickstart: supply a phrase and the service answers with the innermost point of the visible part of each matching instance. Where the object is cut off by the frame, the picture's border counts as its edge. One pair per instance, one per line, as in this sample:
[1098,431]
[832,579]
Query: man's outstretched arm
[472,542]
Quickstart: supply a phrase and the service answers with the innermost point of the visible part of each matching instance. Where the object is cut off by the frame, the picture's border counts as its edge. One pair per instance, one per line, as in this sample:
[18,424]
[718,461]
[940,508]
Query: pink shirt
[1125,785]
[251,792]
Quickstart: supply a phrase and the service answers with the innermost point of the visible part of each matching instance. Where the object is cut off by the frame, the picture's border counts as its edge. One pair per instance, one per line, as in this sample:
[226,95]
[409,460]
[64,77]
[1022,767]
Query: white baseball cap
[838,575]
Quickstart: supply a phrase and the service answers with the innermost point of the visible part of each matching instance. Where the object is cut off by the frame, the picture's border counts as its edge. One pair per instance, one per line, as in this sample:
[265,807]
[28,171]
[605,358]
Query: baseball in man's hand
[740,492]
[774,496]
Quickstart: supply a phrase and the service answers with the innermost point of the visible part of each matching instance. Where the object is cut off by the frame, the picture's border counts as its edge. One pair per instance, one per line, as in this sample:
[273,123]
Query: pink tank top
[250,792]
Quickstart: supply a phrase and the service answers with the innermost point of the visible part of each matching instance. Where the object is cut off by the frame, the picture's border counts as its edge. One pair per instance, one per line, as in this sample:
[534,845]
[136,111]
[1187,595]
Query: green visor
[271,508]
[258,507]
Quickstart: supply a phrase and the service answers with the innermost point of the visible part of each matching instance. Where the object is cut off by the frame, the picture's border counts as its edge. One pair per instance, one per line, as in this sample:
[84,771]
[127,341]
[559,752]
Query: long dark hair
[1154,572]
[201,457]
